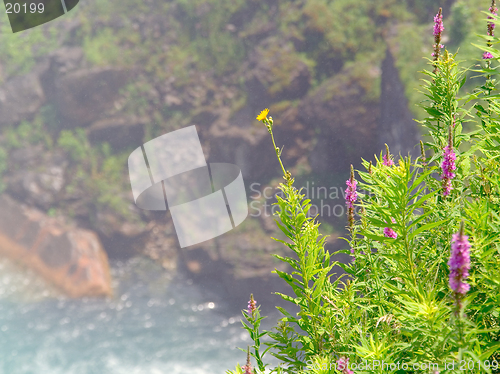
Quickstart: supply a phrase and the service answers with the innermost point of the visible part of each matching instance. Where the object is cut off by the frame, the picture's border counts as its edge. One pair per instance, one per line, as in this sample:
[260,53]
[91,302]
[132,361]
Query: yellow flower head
[263,115]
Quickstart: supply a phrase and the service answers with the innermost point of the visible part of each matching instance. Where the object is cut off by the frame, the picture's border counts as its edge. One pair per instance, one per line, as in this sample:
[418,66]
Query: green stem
[377,278]
[276,149]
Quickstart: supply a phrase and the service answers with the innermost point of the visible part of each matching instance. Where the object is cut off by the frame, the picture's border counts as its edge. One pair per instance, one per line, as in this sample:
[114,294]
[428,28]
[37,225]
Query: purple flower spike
[387,157]
[448,164]
[388,161]
[252,305]
[390,233]
[343,365]
[248,367]
[350,197]
[487,56]
[459,262]
[438,23]
[438,30]
[491,25]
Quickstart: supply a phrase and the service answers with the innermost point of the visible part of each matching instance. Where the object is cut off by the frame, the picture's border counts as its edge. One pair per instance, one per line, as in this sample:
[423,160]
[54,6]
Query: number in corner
[33,8]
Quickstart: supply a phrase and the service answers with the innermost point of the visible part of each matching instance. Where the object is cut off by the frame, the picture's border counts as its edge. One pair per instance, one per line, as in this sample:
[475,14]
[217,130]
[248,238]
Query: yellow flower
[263,115]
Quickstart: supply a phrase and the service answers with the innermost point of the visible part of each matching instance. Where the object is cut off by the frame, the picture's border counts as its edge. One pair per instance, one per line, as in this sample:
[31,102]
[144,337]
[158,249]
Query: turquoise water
[153,325]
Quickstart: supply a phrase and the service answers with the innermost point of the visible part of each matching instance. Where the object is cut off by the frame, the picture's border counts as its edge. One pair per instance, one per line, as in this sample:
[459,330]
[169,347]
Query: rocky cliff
[110,77]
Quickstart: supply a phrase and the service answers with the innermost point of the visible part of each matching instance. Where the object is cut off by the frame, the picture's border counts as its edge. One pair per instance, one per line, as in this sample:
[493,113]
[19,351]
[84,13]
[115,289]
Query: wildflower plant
[425,283]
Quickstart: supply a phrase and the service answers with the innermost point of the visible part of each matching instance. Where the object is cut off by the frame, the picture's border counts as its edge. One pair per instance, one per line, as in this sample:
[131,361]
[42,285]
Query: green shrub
[96,174]
[414,292]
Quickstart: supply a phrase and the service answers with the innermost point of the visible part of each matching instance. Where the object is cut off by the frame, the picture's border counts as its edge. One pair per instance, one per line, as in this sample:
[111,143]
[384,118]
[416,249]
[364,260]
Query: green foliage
[104,49]
[75,143]
[19,51]
[27,133]
[96,175]
[396,304]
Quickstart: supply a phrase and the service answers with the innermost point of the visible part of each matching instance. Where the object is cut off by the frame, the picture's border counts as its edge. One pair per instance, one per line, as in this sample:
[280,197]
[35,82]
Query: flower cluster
[459,262]
[491,28]
[387,157]
[487,55]
[438,30]
[390,233]
[441,46]
[438,23]
[350,196]
[252,305]
[248,366]
[263,115]
[388,161]
[448,166]
[491,25]
[343,364]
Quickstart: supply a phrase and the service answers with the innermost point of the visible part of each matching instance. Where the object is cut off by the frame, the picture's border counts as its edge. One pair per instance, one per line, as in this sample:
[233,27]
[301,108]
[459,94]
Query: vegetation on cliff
[211,63]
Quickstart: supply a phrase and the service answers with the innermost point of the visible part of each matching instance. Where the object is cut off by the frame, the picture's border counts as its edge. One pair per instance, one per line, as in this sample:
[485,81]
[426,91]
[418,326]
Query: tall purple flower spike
[438,23]
[252,305]
[459,262]
[491,27]
[248,367]
[438,30]
[448,166]
[350,197]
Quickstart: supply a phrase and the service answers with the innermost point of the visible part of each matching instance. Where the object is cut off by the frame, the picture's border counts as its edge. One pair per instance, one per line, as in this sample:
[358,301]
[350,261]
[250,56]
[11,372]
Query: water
[152,325]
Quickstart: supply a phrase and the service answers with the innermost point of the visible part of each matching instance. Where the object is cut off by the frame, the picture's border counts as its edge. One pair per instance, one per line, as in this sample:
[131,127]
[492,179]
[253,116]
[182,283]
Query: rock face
[275,71]
[70,258]
[82,96]
[396,126]
[34,185]
[344,135]
[326,117]
[20,98]
[119,132]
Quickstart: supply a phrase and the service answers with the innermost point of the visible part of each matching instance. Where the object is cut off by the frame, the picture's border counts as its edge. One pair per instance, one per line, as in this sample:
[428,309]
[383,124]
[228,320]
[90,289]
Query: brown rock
[119,132]
[66,59]
[345,117]
[70,258]
[36,176]
[82,96]
[161,245]
[20,98]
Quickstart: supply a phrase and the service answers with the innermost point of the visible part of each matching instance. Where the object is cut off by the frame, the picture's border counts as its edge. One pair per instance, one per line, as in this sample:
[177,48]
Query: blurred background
[89,283]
